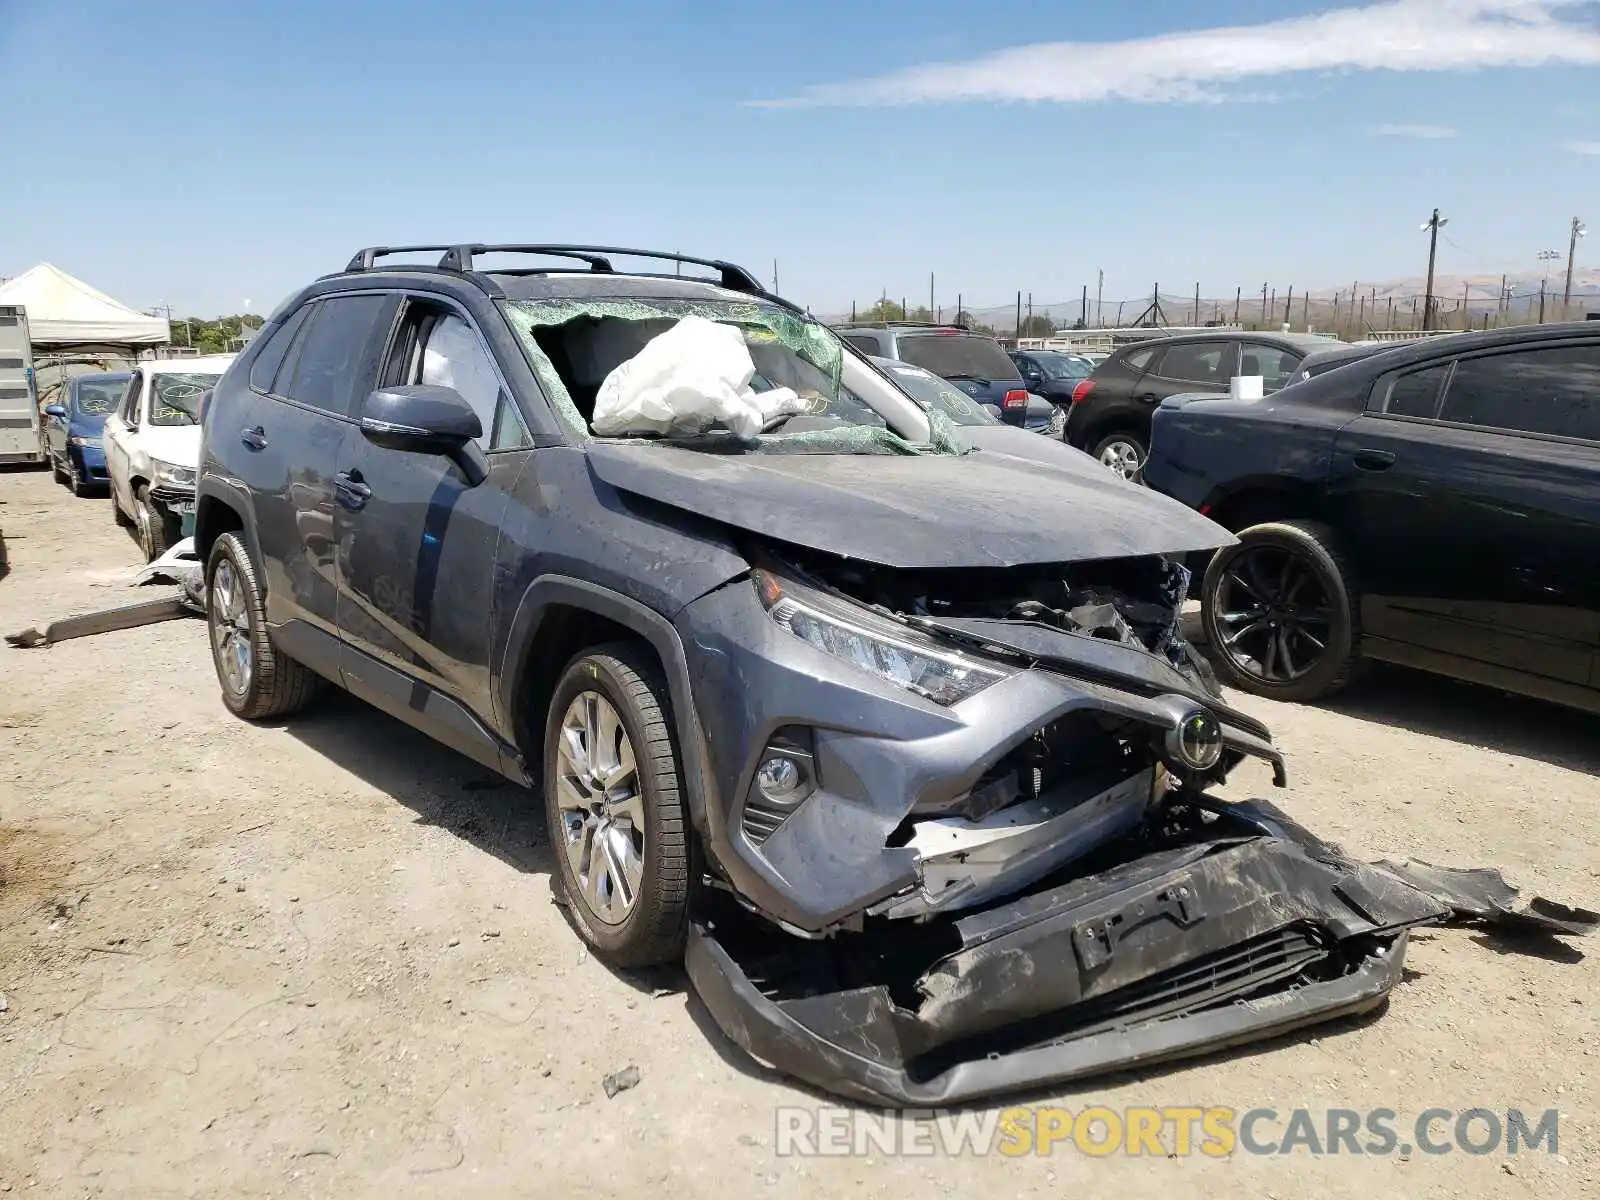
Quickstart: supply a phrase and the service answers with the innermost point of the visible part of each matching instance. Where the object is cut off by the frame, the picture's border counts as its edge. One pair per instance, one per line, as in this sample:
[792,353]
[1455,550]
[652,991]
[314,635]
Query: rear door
[416,544]
[305,387]
[1470,492]
[1199,366]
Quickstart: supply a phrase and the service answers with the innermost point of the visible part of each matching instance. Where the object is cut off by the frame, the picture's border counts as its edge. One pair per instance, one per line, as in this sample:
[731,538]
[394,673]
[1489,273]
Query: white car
[152,445]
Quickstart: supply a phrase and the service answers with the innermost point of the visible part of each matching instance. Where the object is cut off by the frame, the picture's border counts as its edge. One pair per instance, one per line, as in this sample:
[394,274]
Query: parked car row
[135,435]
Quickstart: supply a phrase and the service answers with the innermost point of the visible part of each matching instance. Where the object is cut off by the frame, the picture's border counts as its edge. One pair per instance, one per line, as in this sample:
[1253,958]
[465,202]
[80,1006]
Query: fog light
[1196,742]
[778,778]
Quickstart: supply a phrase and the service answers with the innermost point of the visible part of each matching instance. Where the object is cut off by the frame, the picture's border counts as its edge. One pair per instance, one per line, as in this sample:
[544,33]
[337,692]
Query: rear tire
[1280,612]
[1123,452]
[257,679]
[637,816]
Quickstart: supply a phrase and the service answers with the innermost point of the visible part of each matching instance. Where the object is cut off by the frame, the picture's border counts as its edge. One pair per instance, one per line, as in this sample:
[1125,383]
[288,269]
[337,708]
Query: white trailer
[19,407]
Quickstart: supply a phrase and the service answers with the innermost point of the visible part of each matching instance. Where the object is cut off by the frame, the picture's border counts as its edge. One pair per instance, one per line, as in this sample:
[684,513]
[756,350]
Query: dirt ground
[319,958]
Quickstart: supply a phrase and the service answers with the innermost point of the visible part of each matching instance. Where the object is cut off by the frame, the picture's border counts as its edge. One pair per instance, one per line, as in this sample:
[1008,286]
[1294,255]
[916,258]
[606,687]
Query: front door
[120,430]
[416,544]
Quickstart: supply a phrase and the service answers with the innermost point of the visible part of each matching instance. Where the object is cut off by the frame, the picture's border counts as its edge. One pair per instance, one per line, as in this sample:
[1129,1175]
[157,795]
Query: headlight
[75,440]
[885,650]
[166,472]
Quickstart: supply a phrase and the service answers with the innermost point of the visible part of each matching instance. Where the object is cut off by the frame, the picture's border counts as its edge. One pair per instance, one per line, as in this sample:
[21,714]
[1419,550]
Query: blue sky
[204,154]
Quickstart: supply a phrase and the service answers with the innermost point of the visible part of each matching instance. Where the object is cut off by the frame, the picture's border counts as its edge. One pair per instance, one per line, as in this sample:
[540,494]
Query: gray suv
[974,362]
[918,793]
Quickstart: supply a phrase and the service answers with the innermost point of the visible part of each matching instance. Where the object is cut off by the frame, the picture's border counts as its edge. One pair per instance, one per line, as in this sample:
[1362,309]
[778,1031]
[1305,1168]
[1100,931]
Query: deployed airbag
[695,375]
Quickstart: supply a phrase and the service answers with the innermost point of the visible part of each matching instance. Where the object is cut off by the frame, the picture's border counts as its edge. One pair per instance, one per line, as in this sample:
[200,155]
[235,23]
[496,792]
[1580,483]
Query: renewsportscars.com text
[1214,1132]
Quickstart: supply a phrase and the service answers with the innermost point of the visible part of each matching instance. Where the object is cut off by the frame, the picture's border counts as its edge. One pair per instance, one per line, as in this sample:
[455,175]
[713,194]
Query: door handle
[1374,460]
[254,437]
[352,492]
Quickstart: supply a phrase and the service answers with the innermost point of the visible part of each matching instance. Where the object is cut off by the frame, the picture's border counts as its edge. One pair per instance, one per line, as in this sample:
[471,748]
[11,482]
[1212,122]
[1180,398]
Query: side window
[332,366]
[1416,394]
[1029,368]
[270,357]
[437,346]
[863,342]
[1275,364]
[1553,391]
[1140,360]
[1197,362]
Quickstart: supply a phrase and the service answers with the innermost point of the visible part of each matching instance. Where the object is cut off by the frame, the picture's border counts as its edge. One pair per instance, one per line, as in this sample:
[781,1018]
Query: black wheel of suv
[613,795]
[1279,612]
[156,532]
[257,679]
[1124,453]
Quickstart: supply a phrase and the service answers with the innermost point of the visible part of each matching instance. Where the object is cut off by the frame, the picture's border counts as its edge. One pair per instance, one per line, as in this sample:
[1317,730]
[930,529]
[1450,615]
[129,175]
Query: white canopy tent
[66,311]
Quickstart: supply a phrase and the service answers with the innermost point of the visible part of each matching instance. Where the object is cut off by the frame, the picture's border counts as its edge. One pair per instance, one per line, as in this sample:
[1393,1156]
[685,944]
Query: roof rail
[459,257]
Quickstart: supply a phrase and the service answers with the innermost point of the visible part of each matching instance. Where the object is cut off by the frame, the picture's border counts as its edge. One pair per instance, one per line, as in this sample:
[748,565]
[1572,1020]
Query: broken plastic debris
[695,375]
[1482,893]
[621,1081]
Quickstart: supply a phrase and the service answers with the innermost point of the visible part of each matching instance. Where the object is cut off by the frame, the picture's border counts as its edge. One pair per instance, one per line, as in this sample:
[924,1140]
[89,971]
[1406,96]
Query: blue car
[71,430]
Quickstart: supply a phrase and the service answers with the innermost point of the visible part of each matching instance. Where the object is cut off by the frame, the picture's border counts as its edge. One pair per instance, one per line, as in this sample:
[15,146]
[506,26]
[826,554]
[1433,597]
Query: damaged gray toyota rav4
[884,726]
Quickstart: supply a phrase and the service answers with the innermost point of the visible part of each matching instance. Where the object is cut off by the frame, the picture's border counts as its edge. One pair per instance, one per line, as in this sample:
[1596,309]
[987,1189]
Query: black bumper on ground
[1181,951]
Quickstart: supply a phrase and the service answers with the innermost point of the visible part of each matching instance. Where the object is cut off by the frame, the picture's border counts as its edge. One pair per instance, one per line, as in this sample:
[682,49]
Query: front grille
[762,819]
[1213,981]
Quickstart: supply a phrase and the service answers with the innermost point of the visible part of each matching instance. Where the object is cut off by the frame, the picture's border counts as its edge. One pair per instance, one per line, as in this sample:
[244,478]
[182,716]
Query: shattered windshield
[175,398]
[732,376]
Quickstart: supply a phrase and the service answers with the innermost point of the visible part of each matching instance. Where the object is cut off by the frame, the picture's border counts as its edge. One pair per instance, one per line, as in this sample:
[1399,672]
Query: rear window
[958,356]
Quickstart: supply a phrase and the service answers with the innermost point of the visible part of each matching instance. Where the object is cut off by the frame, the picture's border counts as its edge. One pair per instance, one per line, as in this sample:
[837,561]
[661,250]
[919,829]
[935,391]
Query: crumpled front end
[1197,933]
[960,840]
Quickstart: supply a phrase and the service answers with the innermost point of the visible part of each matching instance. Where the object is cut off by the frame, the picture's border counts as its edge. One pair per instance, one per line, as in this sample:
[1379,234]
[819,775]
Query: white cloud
[1592,148]
[1427,133]
[1198,66]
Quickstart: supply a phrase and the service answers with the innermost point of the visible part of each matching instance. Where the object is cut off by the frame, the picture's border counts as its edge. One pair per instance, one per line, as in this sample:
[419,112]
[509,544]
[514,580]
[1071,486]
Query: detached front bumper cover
[1196,945]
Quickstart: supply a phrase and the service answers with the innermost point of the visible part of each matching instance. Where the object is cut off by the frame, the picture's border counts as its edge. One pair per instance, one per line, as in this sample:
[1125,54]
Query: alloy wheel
[228,615]
[1122,457]
[601,807]
[1274,613]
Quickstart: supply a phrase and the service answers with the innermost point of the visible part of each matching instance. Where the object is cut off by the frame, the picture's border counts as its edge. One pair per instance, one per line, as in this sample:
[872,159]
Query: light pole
[1578,230]
[1433,224]
[1546,257]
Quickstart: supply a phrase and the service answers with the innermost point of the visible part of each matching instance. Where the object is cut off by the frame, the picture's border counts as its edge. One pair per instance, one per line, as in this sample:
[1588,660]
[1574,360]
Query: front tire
[156,533]
[56,473]
[1280,612]
[614,807]
[76,479]
[257,679]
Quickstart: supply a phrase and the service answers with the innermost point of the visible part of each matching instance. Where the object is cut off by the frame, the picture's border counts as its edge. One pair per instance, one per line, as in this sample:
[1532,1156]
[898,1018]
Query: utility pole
[1120,303]
[1288,307]
[1238,294]
[1305,311]
[1466,303]
[1083,318]
[1546,257]
[1019,314]
[1391,312]
[775,277]
[1194,317]
[958,306]
[1361,314]
[1099,297]
[1578,230]
[1263,304]
[1432,225]
[1500,306]
[930,293]
[1030,312]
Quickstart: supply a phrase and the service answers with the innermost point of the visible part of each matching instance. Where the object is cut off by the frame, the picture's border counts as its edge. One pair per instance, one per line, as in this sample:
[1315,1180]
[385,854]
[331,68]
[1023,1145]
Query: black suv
[1435,505]
[1110,414]
[899,776]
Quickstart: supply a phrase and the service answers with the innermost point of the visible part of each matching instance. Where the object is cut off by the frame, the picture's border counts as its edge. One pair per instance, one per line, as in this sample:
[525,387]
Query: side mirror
[427,419]
[55,410]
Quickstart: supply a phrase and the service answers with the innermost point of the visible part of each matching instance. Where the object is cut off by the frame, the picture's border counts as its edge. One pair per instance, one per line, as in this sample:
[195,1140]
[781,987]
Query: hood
[176,444]
[1017,499]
